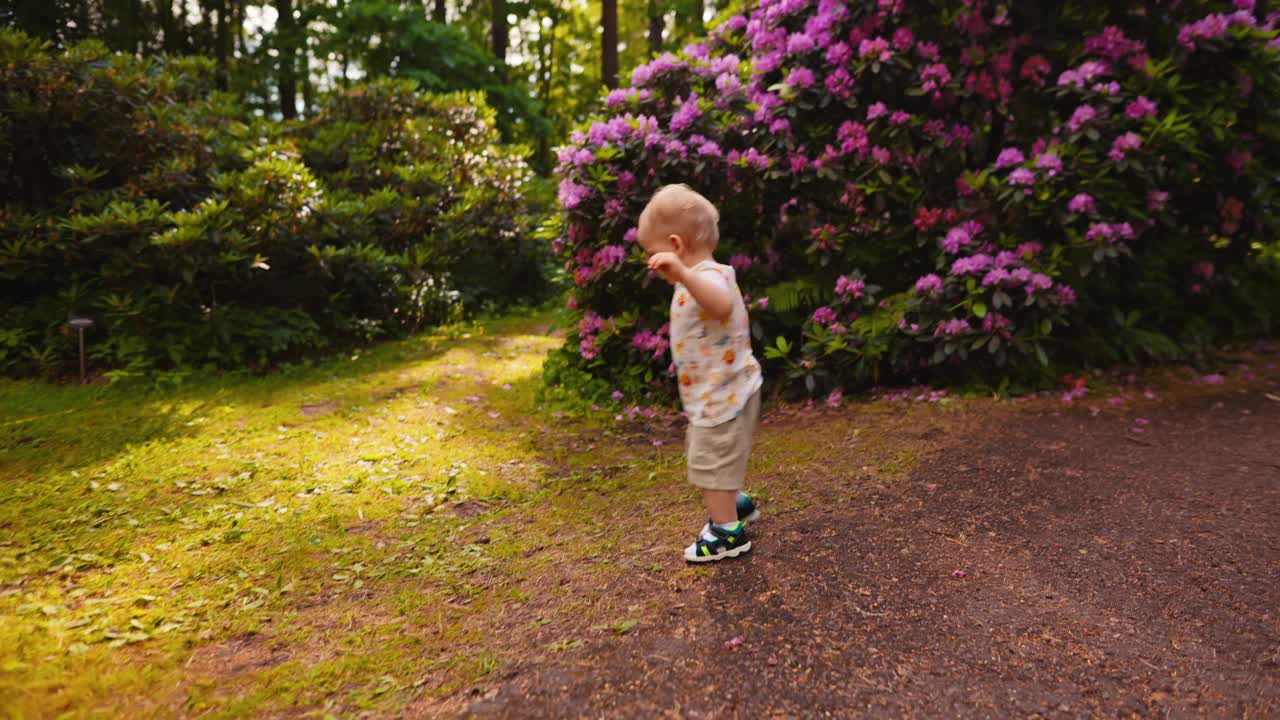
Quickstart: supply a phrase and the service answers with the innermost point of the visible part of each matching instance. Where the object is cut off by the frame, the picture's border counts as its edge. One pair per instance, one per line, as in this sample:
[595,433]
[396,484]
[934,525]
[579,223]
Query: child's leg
[722,505]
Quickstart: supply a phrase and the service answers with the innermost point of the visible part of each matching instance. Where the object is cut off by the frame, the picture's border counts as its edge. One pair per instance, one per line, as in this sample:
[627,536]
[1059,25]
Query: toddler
[719,378]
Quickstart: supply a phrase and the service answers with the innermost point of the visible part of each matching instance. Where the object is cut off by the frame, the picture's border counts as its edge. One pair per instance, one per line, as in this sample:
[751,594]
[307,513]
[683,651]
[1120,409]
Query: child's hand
[668,265]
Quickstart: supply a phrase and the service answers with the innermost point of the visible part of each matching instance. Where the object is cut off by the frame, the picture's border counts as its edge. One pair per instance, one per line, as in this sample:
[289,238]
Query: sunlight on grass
[139,521]
[373,531]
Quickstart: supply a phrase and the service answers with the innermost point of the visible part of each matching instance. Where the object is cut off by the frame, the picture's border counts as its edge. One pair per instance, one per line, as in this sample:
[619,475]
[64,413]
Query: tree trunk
[240,41]
[164,17]
[223,41]
[609,38]
[499,27]
[656,26]
[439,14]
[288,76]
[308,90]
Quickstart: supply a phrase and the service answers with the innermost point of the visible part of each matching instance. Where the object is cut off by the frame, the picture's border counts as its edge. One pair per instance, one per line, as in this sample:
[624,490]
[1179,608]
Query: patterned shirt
[716,370]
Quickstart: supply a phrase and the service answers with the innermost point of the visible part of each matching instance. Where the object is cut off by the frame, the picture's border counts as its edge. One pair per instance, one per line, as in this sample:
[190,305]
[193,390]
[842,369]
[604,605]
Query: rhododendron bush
[942,188]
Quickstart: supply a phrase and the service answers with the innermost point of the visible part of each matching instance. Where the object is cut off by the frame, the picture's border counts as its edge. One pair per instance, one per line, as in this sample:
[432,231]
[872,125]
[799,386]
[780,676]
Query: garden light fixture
[80,325]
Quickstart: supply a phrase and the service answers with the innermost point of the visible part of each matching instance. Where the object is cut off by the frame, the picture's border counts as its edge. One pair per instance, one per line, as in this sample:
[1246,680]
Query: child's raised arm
[708,287]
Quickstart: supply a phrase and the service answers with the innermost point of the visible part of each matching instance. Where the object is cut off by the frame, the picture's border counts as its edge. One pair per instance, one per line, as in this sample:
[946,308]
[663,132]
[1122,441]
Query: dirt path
[1044,561]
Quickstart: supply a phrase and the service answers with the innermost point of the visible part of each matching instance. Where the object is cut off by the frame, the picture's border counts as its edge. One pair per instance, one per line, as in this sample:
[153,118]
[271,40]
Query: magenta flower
[1081,117]
[878,110]
[935,76]
[1009,157]
[929,285]
[824,316]
[899,118]
[971,265]
[849,289]
[1066,295]
[1140,108]
[687,114]
[1081,204]
[839,54]
[1051,162]
[833,400]
[876,49]
[801,77]
[1100,231]
[632,235]
[1123,144]
[995,276]
[572,194]
[799,43]
[957,237]
[955,326]
[609,256]
[740,262]
[1022,177]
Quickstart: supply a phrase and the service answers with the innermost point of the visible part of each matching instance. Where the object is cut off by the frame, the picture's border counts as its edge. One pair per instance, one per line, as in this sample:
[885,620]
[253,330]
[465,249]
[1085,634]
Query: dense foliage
[537,61]
[194,233]
[941,187]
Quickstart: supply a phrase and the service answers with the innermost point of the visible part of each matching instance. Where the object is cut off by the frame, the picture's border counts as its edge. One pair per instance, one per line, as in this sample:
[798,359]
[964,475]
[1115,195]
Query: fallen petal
[959,574]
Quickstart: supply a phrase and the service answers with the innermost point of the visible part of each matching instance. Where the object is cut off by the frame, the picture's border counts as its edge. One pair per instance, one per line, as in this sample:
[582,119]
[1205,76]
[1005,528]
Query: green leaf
[980,310]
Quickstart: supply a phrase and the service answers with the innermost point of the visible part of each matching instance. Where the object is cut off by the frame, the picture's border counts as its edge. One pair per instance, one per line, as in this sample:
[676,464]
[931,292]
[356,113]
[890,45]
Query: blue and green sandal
[716,543]
[747,511]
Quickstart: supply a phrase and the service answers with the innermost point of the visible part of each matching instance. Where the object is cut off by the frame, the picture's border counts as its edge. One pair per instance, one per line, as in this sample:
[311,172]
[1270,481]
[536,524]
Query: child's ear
[678,243]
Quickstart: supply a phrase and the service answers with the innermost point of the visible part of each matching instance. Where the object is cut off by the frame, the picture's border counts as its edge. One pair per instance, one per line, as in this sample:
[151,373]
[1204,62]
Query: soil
[1040,560]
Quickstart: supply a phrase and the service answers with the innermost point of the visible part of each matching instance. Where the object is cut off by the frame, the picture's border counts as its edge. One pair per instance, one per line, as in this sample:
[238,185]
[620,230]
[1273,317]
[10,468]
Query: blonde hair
[680,210]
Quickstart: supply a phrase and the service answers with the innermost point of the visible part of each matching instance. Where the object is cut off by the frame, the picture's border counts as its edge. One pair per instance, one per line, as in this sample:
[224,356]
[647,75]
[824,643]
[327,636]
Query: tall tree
[656,26]
[288,76]
[439,14]
[499,29]
[609,40]
[223,39]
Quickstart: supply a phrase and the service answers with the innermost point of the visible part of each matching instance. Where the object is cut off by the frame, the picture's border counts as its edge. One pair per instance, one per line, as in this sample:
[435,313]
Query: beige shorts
[718,455]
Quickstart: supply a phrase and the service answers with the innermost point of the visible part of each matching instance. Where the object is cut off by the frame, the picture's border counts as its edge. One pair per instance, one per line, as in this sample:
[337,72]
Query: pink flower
[1081,204]
[1123,144]
[929,285]
[801,77]
[877,110]
[955,326]
[1140,108]
[824,316]
[1023,177]
[833,400]
[957,237]
[740,262]
[1009,157]
[1051,162]
[687,113]
[849,289]
[1081,117]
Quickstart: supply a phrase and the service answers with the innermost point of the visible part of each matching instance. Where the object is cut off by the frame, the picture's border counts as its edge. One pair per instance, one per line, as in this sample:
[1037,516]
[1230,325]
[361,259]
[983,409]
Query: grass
[372,533]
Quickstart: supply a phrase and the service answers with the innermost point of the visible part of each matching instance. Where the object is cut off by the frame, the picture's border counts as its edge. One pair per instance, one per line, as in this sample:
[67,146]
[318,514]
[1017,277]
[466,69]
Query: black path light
[80,325]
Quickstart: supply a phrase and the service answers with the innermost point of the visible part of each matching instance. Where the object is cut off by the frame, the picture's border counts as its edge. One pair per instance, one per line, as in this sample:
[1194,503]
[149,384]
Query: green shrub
[196,234]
